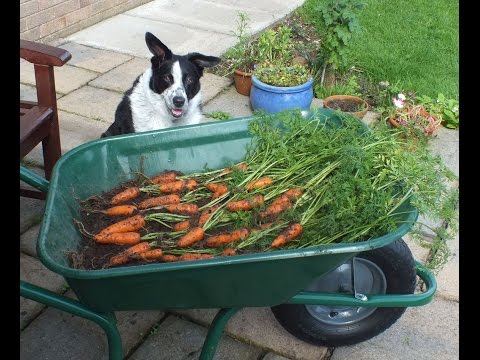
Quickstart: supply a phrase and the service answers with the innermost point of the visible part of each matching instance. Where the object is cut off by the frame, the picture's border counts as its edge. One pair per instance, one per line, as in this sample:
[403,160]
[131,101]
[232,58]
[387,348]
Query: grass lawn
[414,42]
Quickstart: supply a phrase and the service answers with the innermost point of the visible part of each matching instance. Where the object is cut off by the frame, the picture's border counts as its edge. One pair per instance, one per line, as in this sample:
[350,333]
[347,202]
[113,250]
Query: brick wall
[48,20]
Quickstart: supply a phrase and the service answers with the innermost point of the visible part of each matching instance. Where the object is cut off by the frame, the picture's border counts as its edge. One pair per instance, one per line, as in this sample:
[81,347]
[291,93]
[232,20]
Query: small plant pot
[429,126]
[348,104]
[275,98]
[243,82]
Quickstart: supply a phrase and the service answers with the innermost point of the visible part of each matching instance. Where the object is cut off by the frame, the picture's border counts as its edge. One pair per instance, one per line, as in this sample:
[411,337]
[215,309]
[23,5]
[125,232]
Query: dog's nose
[178,101]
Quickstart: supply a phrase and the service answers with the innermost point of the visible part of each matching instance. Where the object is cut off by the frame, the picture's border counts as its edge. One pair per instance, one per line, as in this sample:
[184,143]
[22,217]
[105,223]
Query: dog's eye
[188,80]
[167,78]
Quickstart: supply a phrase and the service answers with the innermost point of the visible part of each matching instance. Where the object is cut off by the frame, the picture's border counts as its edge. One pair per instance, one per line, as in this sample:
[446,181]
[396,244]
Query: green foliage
[243,55]
[348,86]
[283,76]
[356,181]
[446,109]
[219,115]
[340,23]
[275,46]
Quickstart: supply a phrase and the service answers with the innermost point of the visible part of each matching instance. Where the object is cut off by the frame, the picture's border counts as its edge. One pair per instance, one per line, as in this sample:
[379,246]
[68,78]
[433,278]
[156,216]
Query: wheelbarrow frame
[103,314]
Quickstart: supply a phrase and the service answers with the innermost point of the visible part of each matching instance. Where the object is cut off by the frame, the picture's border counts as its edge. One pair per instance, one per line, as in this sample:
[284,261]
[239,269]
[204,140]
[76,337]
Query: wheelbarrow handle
[387,300]
[33,179]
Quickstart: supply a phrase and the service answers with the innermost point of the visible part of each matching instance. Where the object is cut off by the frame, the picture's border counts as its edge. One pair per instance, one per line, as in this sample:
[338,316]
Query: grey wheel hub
[369,279]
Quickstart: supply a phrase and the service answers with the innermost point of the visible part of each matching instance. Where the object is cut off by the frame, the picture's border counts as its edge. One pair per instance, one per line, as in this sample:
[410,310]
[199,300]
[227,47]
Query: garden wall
[48,20]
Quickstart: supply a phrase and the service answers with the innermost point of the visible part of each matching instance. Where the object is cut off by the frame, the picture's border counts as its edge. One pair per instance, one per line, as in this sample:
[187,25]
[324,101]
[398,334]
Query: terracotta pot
[243,82]
[327,103]
[430,129]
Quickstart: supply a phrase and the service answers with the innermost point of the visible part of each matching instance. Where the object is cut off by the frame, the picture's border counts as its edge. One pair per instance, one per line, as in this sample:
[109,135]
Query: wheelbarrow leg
[215,332]
[106,321]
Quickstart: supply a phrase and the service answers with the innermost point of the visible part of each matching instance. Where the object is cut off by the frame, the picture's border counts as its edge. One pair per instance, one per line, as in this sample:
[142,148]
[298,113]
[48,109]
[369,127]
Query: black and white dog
[165,95]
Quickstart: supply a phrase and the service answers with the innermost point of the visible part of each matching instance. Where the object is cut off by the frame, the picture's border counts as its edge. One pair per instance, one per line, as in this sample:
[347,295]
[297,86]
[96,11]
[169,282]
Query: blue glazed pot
[274,98]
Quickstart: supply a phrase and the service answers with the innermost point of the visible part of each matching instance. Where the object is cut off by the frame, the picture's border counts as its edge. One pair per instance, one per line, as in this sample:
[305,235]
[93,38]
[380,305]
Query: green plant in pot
[242,57]
[277,82]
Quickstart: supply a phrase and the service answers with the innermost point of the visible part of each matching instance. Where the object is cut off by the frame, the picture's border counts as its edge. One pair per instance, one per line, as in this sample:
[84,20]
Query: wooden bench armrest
[43,54]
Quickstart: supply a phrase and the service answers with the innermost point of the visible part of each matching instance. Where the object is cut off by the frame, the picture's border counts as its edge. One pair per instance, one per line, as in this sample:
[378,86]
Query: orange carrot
[229,252]
[119,210]
[125,238]
[194,256]
[226,238]
[118,260]
[172,187]
[293,194]
[279,205]
[260,183]
[139,248]
[159,200]
[182,225]
[228,170]
[164,177]
[129,253]
[243,205]
[169,258]
[154,254]
[217,188]
[126,195]
[132,223]
[205,215]
[290,233]
[193,236]
[190,184]
[183,209]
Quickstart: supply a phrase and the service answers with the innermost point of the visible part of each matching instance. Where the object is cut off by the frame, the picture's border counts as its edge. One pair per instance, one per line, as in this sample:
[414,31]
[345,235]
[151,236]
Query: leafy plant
[243,55]
[219,115]
[275,46]
[446,109]
[284,76]
[340,24]
[349,86]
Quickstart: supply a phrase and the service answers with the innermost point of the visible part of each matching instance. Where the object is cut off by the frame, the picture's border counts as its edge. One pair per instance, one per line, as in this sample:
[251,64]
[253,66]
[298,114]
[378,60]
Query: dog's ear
[157,48]
[203,61]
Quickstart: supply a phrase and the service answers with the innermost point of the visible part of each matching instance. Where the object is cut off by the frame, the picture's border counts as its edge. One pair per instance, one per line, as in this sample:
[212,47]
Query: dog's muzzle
[178,102]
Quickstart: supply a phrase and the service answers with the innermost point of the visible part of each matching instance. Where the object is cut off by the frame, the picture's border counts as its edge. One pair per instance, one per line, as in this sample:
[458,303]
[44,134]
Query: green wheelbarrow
[329,295]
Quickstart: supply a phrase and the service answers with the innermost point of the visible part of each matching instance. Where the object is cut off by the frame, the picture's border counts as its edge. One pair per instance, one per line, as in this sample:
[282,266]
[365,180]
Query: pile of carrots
[201,215]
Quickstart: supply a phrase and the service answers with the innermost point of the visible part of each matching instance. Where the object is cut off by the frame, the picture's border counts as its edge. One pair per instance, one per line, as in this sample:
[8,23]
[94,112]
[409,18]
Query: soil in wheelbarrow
[92,255]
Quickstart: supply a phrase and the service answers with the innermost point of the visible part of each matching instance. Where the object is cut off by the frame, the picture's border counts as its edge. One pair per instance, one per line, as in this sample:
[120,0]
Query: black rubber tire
[398,265]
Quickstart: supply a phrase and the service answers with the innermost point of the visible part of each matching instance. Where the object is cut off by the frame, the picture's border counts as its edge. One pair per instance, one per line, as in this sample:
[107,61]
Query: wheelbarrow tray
[262,279]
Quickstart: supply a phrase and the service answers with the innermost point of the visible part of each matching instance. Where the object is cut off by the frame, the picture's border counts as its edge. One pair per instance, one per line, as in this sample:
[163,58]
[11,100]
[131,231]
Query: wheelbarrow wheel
[386,270]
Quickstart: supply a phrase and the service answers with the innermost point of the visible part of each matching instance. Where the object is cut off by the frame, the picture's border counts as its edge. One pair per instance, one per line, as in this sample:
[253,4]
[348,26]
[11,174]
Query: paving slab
[419,252]
[212,85]
[446,145]
[259,327]
[31,212]
[75,130]
[28,241]
[176,338]
[273,356]
[94,59]
[28,93]
[371,118]
[422,333]
[67,78]
[215,16]
[57,335]
[231,102]
[126,34]
[91,102]
[33,271]
[122,77]
[448,278]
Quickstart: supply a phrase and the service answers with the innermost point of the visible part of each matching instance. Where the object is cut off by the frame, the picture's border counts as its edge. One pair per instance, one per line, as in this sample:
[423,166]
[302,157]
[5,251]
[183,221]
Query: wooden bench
[39,120]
